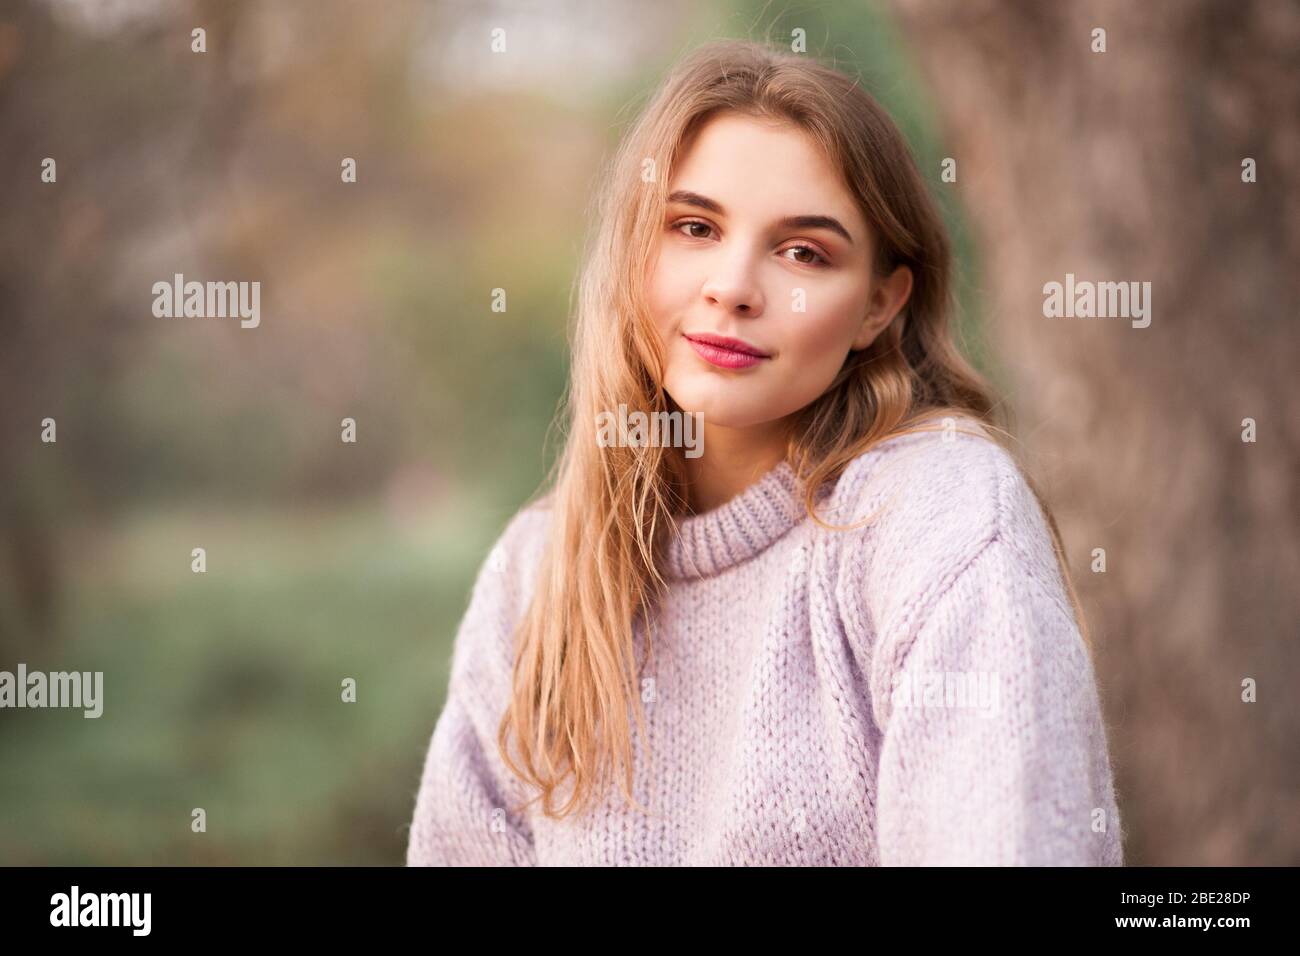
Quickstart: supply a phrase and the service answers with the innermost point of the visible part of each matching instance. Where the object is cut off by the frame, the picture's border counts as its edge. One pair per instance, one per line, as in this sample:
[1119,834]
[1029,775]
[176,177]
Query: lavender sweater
[915,692]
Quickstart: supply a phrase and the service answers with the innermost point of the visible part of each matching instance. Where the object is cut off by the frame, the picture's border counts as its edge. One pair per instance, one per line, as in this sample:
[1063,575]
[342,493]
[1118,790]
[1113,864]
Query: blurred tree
[66,325]
[1127,165]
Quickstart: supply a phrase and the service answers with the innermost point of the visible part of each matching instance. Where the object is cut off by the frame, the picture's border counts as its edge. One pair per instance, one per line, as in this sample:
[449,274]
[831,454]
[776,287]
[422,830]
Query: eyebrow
[686,197]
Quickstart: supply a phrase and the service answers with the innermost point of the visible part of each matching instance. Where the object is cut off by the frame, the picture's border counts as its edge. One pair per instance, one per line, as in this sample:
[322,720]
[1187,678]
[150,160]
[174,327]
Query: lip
[725,352]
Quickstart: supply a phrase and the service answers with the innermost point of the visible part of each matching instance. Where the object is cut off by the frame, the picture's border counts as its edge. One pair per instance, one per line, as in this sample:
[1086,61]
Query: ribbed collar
[737,530]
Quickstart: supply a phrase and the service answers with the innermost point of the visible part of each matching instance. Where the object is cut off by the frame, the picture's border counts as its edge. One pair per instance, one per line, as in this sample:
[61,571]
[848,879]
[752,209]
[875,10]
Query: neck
[733,459]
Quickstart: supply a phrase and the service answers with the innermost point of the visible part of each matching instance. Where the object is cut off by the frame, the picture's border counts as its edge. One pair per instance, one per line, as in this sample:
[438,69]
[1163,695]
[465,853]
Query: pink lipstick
[726,352]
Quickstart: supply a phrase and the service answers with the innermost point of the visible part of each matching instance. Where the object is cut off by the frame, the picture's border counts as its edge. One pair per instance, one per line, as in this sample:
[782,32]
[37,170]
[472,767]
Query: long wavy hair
[575,680]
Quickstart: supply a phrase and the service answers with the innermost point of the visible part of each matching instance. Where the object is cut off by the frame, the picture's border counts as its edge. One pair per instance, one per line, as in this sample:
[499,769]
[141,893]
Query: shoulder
[950,486]
[517,551]
[931,503]
[502,591]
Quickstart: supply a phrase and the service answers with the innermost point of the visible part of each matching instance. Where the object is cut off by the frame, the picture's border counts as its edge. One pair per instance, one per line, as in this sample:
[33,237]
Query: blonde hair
[612,509]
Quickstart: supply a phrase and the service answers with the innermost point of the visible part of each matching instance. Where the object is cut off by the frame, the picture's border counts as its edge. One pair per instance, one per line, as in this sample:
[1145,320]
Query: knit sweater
[912,692]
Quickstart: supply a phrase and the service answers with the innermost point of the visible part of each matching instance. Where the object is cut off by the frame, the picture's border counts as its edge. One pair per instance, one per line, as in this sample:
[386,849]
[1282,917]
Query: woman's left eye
[816,259]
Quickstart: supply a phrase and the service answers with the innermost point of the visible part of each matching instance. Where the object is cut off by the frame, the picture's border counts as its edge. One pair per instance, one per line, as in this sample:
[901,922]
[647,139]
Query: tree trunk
[1127,165]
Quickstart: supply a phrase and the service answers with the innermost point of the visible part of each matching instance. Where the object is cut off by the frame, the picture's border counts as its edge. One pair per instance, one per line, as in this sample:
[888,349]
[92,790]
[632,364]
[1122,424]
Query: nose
[733,285]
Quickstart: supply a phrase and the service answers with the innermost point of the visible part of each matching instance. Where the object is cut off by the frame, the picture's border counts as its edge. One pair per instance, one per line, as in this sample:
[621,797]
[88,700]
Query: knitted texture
[911,692]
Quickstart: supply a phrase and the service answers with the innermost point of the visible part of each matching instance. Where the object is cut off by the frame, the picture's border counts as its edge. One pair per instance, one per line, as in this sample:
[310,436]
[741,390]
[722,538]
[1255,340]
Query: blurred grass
[246,663]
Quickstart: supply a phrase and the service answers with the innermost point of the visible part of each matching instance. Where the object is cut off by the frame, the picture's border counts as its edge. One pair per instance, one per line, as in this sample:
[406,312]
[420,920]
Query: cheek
[824,334]
[816,345]
[666,288]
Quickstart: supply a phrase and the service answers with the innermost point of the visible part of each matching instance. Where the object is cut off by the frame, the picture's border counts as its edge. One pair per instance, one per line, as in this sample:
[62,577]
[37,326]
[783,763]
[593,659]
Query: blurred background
[329,560]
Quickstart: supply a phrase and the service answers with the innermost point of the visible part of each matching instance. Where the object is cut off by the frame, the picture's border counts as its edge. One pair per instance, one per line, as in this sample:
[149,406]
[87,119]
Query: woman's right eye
[688,223]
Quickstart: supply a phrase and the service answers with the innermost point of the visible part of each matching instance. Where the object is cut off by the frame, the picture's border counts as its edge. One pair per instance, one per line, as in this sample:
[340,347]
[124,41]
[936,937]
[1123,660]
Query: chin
[724,410]
[729,400]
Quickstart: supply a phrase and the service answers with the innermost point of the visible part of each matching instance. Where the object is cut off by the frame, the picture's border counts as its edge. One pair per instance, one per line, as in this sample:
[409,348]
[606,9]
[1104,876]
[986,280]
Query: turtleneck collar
[739,529]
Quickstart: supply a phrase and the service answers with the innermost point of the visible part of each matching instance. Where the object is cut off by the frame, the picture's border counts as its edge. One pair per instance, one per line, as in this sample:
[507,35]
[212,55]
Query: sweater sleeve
[461,817]
[466,807]
[994,750]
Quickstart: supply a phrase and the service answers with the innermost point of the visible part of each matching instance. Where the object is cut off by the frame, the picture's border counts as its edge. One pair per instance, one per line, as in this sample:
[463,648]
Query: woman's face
[762,249]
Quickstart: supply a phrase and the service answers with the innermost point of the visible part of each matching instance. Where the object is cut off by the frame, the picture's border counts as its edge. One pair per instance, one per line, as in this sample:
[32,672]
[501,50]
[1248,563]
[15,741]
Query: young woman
[844,633]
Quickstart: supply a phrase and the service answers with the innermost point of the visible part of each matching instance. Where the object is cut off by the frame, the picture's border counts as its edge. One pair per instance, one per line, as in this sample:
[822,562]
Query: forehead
[764,168]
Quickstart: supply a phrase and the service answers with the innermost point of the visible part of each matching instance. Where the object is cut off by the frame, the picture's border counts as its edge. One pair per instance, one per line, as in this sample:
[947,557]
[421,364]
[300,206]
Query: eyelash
[820,262]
